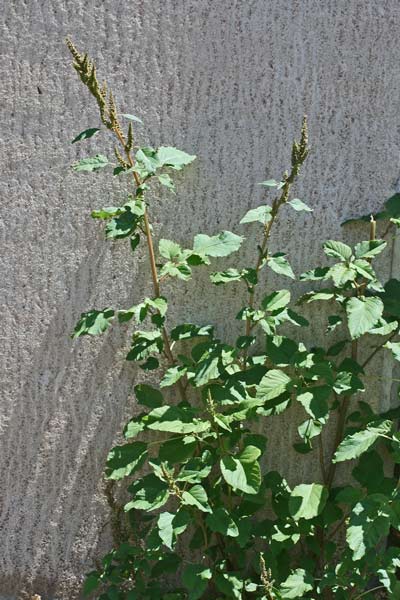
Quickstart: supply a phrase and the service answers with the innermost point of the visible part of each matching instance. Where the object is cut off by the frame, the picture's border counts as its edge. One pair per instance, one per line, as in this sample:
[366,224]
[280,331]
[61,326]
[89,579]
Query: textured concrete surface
[226,79]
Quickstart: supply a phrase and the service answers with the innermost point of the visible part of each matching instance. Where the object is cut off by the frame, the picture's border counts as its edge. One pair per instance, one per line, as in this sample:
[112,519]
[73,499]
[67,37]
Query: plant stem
[153,266]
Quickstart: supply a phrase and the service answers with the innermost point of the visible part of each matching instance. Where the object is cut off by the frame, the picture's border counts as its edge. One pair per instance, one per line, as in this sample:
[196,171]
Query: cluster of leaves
[204,516]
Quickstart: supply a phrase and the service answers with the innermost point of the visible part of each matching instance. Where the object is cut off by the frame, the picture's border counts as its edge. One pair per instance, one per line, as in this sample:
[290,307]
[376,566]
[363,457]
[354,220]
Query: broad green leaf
[125,460]
[222,244]
[337,250]
[229,584]
[307,500]
[91,164]
[261,214]
[196,469]
[172,157]
[342,273]
[298,204]
[166,181]
[188,331]
[243,472]
[392,206]
[225,276]
[172,375]
[134,241]
[179,270]
[175,419]
[125,223]
[85,135]
[395,348]
[131,118]
[170,250]
[271,183]
[297,584]
[280,264]
[314,401]
[148,396]
[358,443]
[333,322]
[369,249]
[221,521]
[133,428]
[273,384]
[106,213]
[149,493]
[196,496]
[363,314]
[276,301]
[391,297]
[177,449]
[316,274]
[195,578]
[170,526]
[92,582]
[145,343]
[93,322]
[369,524]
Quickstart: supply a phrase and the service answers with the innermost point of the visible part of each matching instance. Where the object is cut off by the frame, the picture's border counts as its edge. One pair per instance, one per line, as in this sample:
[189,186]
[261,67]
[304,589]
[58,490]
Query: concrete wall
[226,79]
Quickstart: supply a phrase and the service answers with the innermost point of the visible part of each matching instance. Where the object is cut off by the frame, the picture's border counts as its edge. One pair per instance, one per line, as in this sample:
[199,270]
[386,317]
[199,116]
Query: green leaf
[229,584]
[134,241]
[196,469]
[106,213]
[172,375]
[170,250]
[337,250]
[225,276]
[261,214]
[279,264]
[145,343]
[91,164]
[222,244]
[342,273]
[93,322]
[395,348]
[314,401]
[149,493]
[85,135]
[174,158]
[273,384]
[175,419]
[196,496]
[131,118]
[369,523]
[307,500]
[125,223]
[317,274]
[148,396]
[195,578]
[297,584]
[271,183]
[334,321]
[299,205]
[125,460]
[363,314]
[221,521]
[276,301]
[166,181]
[92,582]
[369,249]
[170,526]
[358,443]
[243,472]
[188,331]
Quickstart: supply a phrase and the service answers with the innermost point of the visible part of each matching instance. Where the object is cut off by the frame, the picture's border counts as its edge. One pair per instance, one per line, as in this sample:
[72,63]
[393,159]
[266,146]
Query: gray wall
[226,79]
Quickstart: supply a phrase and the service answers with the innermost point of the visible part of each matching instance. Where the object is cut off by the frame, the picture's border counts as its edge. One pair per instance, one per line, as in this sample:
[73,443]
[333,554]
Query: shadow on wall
[46,441]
